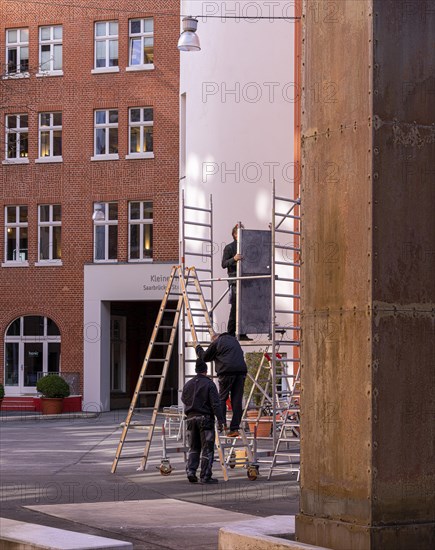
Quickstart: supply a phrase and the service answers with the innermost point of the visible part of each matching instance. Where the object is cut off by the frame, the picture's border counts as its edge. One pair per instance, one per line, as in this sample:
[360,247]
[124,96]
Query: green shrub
[52,385]
[2,391]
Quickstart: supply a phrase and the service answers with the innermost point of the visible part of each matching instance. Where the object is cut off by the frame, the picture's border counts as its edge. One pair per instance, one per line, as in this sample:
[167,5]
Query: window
[140,133]
[140,221]
[50,137]
[50,50]
[106,46]
[106,135]
[17,51]
[17,138]
[106,234]
[141,43]
[49,226]
[16,234]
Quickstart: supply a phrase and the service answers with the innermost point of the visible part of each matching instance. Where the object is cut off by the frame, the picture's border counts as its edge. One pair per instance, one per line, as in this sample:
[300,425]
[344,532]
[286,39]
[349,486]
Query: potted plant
[2,394]
[53,389]
[259,410]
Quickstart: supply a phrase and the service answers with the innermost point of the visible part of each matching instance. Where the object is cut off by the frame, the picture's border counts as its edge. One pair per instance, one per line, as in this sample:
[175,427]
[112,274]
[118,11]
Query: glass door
[32,364]
[12,364]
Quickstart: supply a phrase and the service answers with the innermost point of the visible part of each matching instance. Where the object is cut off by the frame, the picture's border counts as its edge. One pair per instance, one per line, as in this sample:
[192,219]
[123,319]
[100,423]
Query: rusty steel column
[368,280]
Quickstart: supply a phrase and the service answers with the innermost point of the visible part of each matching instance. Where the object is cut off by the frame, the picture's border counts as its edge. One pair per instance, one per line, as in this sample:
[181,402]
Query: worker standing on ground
[229,262]
[231,369]
[201,405]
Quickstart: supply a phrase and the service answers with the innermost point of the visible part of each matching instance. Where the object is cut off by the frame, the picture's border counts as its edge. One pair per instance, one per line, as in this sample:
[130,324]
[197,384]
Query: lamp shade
[189,41]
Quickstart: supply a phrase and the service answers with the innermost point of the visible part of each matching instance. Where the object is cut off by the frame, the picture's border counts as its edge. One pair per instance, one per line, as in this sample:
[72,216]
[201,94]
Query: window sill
[102,70]
[133,156]
[15,264]
[49,263]
[42,74]
[16,161]
[46,160]
[105,157]
[144,261]
[105,262]
[15,76]
[148,67]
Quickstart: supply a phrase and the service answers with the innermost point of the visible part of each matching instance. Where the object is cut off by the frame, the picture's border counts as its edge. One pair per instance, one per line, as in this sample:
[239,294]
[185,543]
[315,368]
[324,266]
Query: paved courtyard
[57,473]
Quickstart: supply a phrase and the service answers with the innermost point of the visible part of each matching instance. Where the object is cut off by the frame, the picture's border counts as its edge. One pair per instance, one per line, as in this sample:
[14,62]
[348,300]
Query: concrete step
[17,535]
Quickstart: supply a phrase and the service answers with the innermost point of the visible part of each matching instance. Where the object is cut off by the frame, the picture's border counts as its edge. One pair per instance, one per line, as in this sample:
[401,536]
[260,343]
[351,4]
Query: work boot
[192,478]
[208,480]
[244,338]
[233,433]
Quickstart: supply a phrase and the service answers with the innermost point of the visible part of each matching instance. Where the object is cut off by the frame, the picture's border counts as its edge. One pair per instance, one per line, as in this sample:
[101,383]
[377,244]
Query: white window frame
[50,224]
[18,130]
[141,221]
[142,35]
[141,124]
[106,125]
[18,45]
[18,226]
[106,223]
[51,71]
[51,129]
[107,38]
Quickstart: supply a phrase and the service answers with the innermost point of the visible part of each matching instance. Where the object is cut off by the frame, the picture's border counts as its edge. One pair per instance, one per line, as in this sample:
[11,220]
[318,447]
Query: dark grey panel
[255,294]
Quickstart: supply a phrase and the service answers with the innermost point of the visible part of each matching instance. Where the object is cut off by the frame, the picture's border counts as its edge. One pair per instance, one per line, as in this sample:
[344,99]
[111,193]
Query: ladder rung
[197,239]
[197,208]
[145,408]
[286,454]
[294,201]
[197,223]
[287,279]
[291,311]
[200,254]
[156,376]
[290,264]
[156,360]
[288,232]
[160,343]
[287,247]
[149,392]
[133,457]
[167,326]
[290,359]
[287,328]
[170,311]
[287,295]
[282,215]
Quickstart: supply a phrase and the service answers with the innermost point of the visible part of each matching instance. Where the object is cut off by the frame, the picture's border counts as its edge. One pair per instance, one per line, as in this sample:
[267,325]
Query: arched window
[32,349]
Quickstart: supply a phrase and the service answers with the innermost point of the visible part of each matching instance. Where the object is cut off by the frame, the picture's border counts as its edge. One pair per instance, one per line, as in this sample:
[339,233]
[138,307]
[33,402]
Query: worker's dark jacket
[200,397]
[228,261]
[227,354]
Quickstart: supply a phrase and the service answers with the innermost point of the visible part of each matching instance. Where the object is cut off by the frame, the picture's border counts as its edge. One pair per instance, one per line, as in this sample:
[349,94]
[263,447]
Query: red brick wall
[57,292]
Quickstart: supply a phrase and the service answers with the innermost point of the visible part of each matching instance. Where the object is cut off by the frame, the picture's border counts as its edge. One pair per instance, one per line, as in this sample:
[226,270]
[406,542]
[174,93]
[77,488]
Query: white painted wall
[237,134]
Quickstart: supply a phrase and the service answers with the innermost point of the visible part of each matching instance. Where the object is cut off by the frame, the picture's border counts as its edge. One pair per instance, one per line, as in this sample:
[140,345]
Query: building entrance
[131,326]
[32,349]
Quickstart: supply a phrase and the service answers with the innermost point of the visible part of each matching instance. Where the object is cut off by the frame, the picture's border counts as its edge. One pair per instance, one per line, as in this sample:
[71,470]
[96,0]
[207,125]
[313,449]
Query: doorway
[32,349]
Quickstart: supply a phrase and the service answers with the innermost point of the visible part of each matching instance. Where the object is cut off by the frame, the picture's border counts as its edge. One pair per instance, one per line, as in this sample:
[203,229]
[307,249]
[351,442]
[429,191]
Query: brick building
[89,122]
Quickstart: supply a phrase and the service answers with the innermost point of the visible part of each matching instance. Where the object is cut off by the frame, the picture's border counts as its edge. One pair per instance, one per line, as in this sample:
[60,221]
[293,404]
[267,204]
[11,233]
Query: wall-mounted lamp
[189,41]
[98,215]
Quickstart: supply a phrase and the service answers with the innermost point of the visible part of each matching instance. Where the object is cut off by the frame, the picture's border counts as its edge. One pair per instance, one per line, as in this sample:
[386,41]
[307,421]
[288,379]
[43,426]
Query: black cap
[201,366]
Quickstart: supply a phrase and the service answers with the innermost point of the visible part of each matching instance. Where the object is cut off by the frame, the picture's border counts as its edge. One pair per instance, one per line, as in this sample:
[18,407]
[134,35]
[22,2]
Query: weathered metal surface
[336,293]
[368,316]
[404,263]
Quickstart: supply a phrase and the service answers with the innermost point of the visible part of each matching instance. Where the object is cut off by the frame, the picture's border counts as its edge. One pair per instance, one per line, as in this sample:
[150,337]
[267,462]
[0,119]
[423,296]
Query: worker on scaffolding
[231,369]
[201,405]
[229,262]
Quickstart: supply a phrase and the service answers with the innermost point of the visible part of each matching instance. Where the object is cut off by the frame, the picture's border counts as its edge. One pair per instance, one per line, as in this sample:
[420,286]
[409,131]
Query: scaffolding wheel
[165,468]
[232,461]
[253,472]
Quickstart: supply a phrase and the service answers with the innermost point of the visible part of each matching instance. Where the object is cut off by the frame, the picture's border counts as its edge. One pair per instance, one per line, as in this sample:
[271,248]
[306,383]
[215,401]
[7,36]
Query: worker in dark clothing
[201,405]
[231,369]
[229,262]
